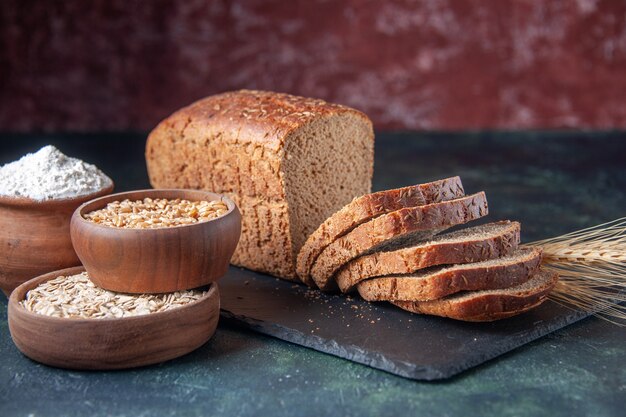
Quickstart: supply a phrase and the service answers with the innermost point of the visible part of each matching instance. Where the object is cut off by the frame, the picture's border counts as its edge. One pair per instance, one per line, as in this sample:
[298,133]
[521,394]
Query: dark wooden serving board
[378,334]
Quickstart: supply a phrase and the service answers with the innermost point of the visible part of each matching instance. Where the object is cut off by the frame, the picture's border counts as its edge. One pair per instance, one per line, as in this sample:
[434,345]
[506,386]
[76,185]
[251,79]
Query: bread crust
[235,144]
[436,252]
[487,305]
[427,220]
[366,207]
[440,282]
[259,117]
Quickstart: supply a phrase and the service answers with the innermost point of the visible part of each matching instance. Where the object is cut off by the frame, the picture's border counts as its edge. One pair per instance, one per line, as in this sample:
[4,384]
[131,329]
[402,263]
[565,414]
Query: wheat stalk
[592,268]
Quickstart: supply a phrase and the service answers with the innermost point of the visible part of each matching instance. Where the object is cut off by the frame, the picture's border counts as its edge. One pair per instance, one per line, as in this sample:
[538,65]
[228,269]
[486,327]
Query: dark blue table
[552,182]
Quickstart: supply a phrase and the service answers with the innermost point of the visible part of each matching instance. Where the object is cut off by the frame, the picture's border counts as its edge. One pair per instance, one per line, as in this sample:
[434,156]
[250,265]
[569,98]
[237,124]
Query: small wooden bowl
[110,343]
[160,260]
[35,237]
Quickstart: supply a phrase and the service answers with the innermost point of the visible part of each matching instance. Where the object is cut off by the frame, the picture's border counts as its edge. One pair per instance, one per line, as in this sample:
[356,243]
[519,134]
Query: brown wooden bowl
[110,343]
[160,260]
[35,237]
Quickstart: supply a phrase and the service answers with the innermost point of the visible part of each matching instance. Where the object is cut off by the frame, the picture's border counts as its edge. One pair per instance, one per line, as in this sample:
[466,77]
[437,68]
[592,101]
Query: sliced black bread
[474,244]
[407,224]
[488,305]
[434,283]
[366,207]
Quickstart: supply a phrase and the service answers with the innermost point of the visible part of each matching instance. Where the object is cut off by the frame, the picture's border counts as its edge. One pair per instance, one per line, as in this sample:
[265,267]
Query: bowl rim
[53,202]
[78,215]
[210,292]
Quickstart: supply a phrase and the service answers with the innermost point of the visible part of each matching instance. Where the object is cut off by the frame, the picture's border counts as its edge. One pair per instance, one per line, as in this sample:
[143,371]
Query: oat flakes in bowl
[107,342]
[75,296]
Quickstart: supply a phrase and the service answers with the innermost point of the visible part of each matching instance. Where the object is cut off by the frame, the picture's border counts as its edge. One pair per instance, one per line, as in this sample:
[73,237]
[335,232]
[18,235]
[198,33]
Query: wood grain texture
[35,237]
[98,344]
[156,260]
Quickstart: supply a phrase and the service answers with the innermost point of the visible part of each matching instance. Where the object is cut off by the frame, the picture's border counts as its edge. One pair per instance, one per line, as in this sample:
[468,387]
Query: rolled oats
[76,296]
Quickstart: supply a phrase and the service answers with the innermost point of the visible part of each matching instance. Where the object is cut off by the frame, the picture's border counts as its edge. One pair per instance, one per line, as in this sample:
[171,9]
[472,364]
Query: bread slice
[409,223]
[474,244]
[368,206]
[433,283]
[488,305]
[288,162]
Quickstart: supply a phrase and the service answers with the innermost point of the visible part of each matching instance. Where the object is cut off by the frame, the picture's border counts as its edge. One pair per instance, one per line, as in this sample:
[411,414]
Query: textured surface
[366,207]
[438,64]
[577,371]
[379,334]
[271,154]
[473,244]
[437,282]
[489,305]
[421,222]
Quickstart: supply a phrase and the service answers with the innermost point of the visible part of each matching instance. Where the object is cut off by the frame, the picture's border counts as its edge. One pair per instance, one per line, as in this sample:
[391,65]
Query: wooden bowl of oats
[61,319]
[156,241]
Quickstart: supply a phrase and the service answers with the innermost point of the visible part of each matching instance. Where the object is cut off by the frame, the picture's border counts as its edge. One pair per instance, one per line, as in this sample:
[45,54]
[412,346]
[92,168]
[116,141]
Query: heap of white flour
[48,174]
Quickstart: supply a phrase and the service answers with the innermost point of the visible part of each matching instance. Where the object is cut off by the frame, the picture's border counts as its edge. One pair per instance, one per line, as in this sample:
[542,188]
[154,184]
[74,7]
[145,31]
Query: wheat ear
[592,269]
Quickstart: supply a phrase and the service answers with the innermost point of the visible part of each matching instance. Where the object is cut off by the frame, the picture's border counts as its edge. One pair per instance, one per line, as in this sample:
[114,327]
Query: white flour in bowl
[48,174]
